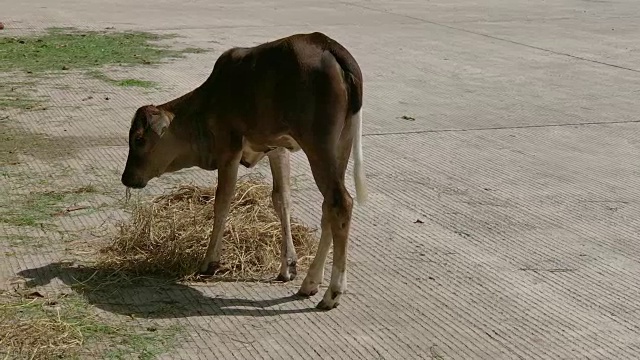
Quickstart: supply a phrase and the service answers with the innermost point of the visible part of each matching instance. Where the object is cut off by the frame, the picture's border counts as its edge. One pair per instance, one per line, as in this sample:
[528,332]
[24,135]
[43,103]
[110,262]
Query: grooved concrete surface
[503,216]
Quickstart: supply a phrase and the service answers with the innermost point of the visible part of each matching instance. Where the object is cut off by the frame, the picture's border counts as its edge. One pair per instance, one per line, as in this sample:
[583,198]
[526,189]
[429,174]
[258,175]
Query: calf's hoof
[210,268]
[324,305]
[307,292]
[288,273]
[309,287]
[330,300]
[285,277]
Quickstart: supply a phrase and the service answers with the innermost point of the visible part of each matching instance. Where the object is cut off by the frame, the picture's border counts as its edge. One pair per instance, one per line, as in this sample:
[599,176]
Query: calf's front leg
[227,177]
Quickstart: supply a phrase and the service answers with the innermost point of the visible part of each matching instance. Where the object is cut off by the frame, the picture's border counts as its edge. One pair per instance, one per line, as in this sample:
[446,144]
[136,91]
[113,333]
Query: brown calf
[300,92]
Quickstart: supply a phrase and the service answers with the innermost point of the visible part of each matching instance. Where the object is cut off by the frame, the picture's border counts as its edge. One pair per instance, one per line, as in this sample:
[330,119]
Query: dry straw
[169,235]
[27,331]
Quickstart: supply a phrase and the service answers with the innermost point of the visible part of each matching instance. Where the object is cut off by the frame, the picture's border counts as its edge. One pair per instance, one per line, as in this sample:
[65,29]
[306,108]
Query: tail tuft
[358,169]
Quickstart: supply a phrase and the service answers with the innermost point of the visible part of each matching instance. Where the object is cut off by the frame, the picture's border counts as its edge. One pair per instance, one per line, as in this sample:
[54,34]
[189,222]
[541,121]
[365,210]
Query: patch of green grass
[136,83]
[67,327]
[146,345]
[32,209]
[85,189]
[38,207]
[23,240]
[15,142]
[17,102]
[13,95]
[192,50]
[124,83]
[63,87]
[64,49]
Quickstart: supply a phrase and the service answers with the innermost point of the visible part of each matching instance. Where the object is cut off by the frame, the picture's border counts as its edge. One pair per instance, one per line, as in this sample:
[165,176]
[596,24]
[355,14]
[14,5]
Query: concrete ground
[502,149]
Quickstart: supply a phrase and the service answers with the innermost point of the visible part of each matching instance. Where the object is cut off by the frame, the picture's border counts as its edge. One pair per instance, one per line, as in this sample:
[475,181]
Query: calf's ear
[159,120]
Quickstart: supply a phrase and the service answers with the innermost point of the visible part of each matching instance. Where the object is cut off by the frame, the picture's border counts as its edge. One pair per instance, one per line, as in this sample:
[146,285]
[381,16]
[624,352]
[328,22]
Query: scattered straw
[34,326]
[36,329]
[169,235]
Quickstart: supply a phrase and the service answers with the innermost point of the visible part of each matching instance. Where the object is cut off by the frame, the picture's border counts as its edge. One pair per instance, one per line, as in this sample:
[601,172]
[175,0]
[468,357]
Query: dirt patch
[16,142]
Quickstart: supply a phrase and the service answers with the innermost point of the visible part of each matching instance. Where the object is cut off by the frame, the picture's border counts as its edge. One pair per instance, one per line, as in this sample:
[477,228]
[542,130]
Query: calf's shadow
[152,297]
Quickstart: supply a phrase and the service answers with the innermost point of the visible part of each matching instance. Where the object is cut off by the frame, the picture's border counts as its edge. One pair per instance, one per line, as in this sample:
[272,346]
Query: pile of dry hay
[169,235]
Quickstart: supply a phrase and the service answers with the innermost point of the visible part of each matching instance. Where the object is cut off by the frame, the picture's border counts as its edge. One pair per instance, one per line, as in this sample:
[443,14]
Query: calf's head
[153,147]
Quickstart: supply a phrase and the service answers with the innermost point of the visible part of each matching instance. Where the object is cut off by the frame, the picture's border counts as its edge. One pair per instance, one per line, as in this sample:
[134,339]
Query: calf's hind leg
[281,197]
[328,171]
